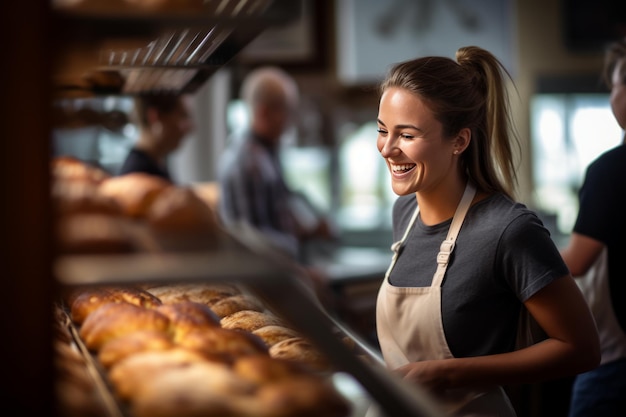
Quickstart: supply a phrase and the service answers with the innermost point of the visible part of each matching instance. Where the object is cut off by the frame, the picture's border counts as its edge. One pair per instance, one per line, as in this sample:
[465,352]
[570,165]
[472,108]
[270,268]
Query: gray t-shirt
[503,256]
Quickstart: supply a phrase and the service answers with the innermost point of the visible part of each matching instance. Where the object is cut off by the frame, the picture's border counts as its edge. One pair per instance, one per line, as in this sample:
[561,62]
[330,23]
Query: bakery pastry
[69,168]
[200,389]
[134,192]
[130,374]
[200,293]
[235,303]
[92,234]
[250,320]
[263,369]
[179,209]
[118,319]
[300,350]
[273,334]
[81,197]
[302,396]
[186,316]
[84,302]
[122,347]
[223,343]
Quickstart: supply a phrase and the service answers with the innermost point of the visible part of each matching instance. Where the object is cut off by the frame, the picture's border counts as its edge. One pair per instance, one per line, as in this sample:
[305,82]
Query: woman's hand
[430,375]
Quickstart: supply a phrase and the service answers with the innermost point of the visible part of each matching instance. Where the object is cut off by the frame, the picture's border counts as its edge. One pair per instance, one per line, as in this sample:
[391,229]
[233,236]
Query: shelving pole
[26,367]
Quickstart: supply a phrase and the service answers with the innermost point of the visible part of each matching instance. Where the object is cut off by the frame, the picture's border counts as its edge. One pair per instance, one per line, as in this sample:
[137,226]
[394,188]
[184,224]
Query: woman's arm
[580,253]
[572,347]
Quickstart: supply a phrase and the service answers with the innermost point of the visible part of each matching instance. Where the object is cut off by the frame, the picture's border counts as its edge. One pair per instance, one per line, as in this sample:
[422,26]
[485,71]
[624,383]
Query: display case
[122,51]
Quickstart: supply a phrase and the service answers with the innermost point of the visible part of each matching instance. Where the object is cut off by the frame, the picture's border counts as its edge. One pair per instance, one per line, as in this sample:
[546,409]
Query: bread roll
[83,302]
[200,389]
[263,369]
[70,168]
[250,321]
[114,320]
[199,293]
[81,197]
[179,209]
[134,192]
[235,303]
[130,374]
[223,343]
[274,334]
[122,347]
[186,316]
[302,396]
[300,350]
[92,233]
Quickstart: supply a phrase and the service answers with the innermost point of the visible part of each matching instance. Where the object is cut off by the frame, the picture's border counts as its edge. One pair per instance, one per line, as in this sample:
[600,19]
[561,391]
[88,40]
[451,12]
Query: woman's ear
[462,140]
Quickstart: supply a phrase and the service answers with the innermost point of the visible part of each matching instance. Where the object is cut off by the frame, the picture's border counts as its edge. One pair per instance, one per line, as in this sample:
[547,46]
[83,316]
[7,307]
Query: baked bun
[86,301]
[92,234]
[235,303]
[114,320]
[263,369]
[273,334]
[200,293]
[70,168]
[122,347]
[302,396]
[134,192]
[299,349]
[250,321]
[179,209]
[186,316]
[130,374]
[223,343]
[200,389]
[81,197]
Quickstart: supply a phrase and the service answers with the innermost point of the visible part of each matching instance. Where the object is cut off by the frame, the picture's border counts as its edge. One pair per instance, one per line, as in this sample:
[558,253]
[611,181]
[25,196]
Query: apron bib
[410,326]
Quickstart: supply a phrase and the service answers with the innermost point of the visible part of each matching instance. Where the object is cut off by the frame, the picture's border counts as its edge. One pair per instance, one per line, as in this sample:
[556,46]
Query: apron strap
[447,246]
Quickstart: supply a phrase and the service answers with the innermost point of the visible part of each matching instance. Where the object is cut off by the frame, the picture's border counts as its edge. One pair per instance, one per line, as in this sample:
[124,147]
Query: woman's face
[177,124]
[618,94]
[411,140]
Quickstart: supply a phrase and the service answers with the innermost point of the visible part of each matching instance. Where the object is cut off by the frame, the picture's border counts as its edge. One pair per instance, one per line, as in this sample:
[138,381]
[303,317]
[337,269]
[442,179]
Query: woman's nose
[387,147]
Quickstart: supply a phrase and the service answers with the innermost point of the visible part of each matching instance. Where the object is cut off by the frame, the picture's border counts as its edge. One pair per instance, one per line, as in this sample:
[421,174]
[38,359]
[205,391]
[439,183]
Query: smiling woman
[468,258]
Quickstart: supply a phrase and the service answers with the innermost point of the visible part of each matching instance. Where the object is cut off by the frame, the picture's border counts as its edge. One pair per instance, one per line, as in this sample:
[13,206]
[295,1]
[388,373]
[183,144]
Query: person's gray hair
[261,85]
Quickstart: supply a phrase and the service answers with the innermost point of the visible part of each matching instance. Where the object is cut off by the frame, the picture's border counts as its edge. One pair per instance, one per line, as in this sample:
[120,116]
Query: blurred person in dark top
[164,120]
[253,190]
[594,256]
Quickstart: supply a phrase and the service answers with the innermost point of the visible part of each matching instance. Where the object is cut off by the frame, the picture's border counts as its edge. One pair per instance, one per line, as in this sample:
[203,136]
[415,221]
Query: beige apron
[410,326]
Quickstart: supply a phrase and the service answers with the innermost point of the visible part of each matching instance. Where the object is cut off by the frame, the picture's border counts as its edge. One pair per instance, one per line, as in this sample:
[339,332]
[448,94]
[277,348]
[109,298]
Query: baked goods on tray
[181,358]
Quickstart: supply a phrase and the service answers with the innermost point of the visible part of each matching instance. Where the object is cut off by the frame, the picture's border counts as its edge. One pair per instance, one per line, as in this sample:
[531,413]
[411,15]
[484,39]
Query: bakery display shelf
[244,258]
[121,50]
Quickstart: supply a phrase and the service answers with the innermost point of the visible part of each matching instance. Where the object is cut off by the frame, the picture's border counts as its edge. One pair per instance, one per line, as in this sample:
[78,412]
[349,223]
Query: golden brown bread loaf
[134,192]
[179,209]
[81,197]
[200,293]
[130,374]
[114,320]
[122,347]
[302,396]
[70,168]
[300,350]
[186,316]
[274,334]
[263,369]
[222,343]
[83,302]
[92,233]
[250,321]
[235,303]
[200,389]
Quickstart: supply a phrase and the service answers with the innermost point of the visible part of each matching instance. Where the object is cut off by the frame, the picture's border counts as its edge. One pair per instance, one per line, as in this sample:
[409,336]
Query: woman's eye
[406,136]
[381,131]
